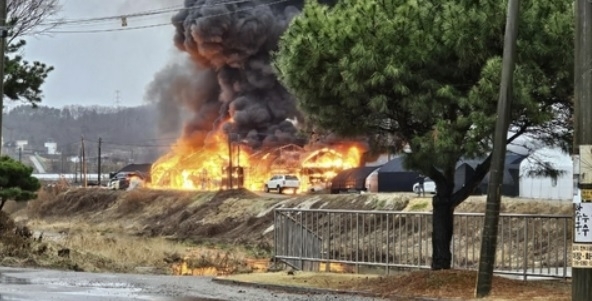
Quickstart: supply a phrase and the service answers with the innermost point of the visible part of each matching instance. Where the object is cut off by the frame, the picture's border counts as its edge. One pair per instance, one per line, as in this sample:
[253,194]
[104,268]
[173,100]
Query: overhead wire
[89,21]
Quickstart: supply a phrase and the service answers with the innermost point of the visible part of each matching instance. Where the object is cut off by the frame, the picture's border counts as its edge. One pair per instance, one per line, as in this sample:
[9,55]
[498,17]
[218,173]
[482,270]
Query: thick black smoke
[230,44]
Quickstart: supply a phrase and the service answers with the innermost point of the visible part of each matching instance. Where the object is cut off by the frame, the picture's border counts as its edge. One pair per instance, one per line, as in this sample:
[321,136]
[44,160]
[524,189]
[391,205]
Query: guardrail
[314,239]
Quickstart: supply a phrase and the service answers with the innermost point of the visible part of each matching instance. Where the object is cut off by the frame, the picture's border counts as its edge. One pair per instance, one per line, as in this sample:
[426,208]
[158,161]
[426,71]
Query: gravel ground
[34,284]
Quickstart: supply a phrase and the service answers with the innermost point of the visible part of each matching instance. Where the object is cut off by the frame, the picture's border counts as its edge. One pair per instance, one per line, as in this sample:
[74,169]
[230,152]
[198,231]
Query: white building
[52,148]
[546,187]
[20,144]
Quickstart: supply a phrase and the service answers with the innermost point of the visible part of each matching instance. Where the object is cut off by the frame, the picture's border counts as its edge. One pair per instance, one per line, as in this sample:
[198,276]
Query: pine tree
[16,182]
[428,73]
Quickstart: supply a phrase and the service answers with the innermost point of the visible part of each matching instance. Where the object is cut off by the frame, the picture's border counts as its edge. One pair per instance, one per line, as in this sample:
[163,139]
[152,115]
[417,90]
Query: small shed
[393,177]
[352,179]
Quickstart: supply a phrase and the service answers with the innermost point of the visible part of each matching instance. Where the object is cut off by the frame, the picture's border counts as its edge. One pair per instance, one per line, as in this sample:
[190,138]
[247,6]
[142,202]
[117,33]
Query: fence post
[565,264]
[388,243]
[420,240]
[302,229]
[275,236]
[525,259]
[357,243]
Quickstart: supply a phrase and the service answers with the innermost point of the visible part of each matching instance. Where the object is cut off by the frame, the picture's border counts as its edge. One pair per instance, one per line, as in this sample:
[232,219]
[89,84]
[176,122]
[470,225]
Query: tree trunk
[443,226]
[2,202]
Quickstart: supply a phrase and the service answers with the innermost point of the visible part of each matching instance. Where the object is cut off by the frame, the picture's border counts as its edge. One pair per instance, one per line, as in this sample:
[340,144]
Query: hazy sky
[90,67]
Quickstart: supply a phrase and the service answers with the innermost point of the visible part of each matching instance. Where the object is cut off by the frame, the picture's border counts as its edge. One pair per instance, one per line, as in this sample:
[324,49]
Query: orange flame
[205,168]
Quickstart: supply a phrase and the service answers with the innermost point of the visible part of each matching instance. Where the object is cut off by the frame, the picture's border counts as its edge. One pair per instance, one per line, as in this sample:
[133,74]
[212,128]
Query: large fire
[228,84]
[207,168]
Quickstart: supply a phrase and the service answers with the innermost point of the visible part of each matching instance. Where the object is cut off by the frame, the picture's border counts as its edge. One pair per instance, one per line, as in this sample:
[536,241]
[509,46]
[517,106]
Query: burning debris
[243,125]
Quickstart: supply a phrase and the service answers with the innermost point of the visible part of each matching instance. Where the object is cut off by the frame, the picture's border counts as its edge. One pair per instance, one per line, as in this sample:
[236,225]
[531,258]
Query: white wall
[372,181]
[545,187]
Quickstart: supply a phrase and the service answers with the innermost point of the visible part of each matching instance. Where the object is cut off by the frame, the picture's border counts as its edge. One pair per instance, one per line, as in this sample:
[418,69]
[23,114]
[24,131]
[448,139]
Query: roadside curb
[310,290]
[292,289]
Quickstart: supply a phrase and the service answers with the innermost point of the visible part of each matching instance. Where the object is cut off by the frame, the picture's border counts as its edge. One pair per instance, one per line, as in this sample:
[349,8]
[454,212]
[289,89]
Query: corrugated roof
[394,165]
[353,178]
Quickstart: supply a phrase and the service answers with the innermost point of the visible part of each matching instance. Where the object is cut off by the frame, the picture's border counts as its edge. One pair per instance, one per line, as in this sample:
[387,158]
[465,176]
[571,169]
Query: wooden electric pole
[3,34]
[84,171]
[99,163]
[496,172]
[581,282]
[229,161]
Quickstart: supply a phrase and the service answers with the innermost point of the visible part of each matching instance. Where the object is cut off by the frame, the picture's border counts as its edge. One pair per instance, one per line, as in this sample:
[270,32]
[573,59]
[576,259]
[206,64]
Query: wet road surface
[33,284]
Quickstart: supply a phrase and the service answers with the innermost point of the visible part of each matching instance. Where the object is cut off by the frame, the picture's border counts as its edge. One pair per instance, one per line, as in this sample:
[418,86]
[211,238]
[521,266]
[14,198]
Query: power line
[163,24]
[135,145]
[154,12]
[114,17]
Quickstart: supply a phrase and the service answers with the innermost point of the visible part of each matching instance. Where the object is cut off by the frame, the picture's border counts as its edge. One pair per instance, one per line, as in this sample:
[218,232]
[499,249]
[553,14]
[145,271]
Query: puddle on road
[13,280]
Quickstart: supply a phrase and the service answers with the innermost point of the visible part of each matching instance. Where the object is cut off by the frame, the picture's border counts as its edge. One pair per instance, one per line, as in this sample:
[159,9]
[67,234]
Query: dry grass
[11,206]
[106,248]
[428,284]
[125,250]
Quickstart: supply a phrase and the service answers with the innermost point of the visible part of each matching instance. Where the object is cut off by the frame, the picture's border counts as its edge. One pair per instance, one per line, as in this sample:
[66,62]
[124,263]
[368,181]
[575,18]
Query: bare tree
[30,17]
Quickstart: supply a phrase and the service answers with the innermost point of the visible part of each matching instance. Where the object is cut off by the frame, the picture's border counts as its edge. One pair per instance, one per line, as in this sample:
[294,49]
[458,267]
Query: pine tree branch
[481,171]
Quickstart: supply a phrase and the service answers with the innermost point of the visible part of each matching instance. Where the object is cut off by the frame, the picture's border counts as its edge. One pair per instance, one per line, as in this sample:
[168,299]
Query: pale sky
[90,67]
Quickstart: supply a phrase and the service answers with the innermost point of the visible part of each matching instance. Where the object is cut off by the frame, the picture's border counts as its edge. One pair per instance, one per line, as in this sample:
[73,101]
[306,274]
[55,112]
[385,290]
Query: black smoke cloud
[229,76]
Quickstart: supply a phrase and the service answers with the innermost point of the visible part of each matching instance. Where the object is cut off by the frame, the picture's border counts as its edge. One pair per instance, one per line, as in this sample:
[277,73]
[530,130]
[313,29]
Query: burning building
[243,123]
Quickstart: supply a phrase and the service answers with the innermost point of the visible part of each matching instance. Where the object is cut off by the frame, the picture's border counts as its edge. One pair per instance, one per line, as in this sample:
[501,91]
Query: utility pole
[229,161]
[84,171]
[99,164]
[4,34]
[62,157]
[117,96]
[20,154]
[581,272]
[490,225]
[78,166]
[238,148]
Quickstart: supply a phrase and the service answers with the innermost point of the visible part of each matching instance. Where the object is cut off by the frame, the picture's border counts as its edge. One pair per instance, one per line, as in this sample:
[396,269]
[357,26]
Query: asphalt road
[41,285]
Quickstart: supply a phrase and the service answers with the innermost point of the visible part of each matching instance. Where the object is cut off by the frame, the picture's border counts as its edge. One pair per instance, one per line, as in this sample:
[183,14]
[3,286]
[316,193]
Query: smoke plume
[228,82]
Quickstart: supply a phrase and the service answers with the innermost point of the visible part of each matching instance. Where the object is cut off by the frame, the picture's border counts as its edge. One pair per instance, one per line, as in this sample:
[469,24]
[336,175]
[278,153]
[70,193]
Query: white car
[280,183]
[429,186]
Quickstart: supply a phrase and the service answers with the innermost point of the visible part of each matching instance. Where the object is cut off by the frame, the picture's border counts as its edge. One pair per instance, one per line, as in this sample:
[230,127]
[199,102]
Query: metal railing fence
[316,239]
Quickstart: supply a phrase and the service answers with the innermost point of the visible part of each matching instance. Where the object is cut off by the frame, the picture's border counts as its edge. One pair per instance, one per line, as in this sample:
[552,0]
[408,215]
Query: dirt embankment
[120,231]
[228,216]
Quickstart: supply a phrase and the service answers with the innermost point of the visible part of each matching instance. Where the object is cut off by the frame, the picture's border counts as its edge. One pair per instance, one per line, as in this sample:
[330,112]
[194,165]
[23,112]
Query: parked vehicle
[282,182]
[122,180]
[429,186]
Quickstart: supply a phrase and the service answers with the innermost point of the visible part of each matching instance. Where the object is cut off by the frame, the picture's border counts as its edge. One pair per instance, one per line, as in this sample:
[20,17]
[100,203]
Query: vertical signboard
[582,234]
